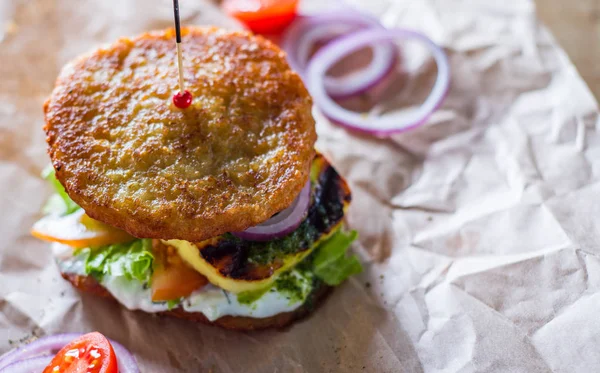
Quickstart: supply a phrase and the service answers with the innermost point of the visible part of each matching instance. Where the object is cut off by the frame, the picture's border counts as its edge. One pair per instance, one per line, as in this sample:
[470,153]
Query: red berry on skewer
[182,100]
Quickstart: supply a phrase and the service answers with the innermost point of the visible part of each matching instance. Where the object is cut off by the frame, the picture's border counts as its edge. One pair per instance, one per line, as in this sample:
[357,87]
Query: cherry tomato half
[263,16]
[91,353]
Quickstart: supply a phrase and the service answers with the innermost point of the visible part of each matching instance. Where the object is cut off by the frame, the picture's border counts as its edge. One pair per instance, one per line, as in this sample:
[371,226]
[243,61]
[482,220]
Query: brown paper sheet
[479,231]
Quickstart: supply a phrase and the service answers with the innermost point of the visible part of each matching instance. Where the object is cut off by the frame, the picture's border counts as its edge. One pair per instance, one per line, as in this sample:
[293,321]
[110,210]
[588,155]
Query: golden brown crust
[124,153]
[88,284]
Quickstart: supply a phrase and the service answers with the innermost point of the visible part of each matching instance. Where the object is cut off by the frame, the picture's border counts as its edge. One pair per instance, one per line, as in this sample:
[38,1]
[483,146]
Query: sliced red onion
[308,31]
[356,83]
[45,345]
[281,224]
[125,359]
[325,58]
[32,365]
[49,346]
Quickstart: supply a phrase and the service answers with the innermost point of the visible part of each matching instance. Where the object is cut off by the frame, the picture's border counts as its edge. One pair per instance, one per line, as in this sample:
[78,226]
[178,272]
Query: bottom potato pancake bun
[221,213]
[88,284]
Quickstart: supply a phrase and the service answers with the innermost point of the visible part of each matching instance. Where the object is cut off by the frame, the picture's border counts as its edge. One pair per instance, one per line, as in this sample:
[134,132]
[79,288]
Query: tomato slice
[263,16]
[171,277]
[91,353]
[174,282]
[78,231]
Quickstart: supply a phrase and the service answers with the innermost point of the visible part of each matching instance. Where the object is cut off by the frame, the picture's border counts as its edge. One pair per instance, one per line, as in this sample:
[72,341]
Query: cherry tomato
[263,16]
[91,353]
[174,279]
[78,230]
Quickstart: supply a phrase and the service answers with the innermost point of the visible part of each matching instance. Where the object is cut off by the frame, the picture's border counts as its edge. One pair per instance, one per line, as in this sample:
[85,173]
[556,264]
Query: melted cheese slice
[190,252]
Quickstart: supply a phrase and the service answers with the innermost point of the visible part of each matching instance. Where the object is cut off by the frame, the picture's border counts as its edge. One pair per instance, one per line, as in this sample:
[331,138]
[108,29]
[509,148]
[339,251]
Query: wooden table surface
[576,25]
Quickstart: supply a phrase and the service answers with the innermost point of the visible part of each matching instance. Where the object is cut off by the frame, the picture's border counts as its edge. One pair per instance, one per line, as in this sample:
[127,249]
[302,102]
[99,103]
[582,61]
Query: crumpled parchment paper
[480,231]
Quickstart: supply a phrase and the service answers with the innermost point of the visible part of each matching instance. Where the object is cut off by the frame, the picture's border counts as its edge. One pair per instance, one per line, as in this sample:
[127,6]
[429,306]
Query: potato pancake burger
[221,212]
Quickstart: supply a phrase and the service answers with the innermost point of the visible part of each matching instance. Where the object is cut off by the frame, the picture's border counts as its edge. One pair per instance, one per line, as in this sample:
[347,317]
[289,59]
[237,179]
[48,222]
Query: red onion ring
[35,364]
[306,32]
[49,344]
[125,360]
[281,224]
[52,344]
[325,58]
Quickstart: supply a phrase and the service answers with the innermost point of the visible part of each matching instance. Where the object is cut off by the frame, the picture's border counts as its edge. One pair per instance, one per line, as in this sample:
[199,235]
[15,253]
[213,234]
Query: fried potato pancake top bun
[239,154]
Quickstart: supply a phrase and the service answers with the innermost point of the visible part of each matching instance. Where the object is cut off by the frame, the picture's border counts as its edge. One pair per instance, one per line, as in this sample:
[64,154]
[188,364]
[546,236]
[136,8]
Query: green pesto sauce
[249,297]
[300,239]
[294,287]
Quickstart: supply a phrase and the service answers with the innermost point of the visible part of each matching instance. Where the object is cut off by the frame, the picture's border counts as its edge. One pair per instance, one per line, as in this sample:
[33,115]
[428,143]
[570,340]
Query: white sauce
[209,300]
[131,294]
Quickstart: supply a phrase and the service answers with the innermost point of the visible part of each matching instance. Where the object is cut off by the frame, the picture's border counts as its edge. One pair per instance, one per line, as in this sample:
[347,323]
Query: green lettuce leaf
[132,260]
[173,303]
[61,201]
[331,264]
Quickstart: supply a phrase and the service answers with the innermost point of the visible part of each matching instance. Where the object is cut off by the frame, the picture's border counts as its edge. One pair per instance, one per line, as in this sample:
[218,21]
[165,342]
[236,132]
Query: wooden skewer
[178,40]
[180,64]
[183,99]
